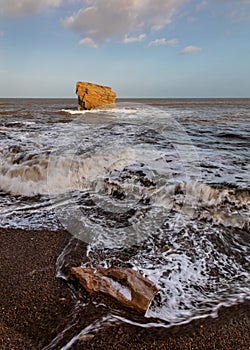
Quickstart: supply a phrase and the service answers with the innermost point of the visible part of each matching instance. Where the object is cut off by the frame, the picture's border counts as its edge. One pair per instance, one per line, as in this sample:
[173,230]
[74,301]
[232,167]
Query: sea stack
[94,96]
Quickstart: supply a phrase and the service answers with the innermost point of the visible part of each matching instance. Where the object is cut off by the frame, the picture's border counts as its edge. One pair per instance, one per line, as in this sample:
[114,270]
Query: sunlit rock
[123,284]
[94,96]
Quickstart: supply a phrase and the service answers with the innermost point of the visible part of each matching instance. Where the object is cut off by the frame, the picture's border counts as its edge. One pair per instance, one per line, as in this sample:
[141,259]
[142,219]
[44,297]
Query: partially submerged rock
[123,284]
[94,96]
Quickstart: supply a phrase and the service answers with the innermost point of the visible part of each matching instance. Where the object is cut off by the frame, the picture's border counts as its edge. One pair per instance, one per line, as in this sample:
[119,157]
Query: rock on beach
[139,290]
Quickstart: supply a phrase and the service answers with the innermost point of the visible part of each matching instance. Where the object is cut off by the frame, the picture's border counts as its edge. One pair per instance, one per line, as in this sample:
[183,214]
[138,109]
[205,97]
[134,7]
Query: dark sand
[36,306]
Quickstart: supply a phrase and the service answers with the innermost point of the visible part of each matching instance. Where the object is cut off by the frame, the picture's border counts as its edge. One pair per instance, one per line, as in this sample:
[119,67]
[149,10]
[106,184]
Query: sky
[141,48]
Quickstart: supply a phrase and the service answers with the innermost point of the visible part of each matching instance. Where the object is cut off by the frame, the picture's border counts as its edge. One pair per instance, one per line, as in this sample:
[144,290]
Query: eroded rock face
[123,284]
[94,96]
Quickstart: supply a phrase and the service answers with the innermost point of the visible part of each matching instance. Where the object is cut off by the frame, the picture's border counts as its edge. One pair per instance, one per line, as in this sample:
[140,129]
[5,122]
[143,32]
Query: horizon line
[132,98]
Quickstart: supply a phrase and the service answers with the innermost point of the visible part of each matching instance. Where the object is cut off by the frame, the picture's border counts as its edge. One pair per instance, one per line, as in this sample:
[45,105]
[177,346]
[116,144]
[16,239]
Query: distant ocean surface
[167,180]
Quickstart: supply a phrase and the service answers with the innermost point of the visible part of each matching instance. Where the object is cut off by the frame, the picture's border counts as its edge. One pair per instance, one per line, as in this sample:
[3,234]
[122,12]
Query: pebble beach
[36,306]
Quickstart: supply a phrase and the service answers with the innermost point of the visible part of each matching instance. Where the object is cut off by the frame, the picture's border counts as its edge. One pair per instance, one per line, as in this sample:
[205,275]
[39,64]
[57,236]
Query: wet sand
[36,306]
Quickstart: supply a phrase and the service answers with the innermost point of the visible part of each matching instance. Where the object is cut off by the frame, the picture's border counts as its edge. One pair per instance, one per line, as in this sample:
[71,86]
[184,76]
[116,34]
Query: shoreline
[36,306]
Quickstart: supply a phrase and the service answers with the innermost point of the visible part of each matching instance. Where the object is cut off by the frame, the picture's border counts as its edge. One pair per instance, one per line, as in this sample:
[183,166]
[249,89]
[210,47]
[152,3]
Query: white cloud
[173,42]
[202,4]
[190,50]
[88,42]
[238,10]
[26,7]
[134,39]
[158,42]
[1,34]
[162,42]
[102,20]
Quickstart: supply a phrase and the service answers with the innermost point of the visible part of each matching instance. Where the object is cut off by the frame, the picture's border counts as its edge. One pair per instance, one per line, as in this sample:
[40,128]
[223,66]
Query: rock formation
[94,96]
[123,284]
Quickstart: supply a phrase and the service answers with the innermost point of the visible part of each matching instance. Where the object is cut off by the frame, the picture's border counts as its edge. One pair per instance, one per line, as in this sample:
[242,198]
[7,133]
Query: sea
[158,185]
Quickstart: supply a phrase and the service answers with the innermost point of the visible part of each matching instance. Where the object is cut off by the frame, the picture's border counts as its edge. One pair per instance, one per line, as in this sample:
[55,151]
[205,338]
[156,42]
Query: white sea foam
[115,111]
[191,268]
[43,175]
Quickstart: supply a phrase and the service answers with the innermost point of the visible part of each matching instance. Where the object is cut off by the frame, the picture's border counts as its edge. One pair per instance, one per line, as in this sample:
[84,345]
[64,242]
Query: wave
[118,178]
[31,174]
[231,136]
[24,166]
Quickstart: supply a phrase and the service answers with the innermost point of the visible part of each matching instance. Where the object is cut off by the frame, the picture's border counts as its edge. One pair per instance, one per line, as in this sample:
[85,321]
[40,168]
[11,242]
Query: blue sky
[141,48]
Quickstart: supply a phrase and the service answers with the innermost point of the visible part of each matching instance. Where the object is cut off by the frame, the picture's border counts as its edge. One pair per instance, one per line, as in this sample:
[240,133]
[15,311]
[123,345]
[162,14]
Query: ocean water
[159,185]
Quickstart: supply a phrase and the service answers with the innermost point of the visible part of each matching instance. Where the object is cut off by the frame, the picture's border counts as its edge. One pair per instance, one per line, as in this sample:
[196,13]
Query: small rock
[125,285]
